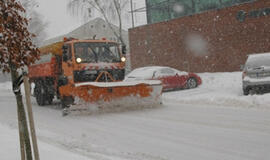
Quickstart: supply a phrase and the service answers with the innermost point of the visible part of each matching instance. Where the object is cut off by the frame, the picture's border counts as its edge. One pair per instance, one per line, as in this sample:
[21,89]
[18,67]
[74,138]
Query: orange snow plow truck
[87,73]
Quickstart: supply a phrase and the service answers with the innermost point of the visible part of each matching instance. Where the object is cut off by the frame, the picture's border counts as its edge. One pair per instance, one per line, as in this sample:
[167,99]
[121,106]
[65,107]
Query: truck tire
[40,94]
[66,101]
[50,99]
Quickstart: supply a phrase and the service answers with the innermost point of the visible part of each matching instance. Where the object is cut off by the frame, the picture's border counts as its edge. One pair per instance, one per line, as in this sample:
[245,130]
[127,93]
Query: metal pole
[30,116]
[22,148]
[132,17]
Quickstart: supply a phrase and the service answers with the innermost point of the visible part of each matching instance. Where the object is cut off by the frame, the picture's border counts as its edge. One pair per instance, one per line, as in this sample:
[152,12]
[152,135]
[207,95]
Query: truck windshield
[97,52]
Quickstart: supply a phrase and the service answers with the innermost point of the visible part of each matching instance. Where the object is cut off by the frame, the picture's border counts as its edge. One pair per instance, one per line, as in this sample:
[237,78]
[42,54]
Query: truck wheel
[64,104]
[50,99]
[40,93]
[66,101]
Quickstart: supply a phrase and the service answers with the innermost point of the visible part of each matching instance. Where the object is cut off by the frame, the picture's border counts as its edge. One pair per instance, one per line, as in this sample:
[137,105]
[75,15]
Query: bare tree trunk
[23,129]
[22,148]
[118,11]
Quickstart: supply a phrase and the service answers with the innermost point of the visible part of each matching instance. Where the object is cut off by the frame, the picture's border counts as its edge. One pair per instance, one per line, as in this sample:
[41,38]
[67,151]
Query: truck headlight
[79,60]
[123,59]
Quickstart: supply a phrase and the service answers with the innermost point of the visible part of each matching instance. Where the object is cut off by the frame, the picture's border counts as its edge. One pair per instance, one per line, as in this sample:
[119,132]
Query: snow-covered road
[214,121]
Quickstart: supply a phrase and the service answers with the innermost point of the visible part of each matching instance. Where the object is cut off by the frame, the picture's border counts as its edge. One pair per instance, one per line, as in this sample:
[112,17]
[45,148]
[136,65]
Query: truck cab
[84,60]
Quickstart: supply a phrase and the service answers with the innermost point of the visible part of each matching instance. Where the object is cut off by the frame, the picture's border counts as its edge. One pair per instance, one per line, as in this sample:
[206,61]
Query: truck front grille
[91,75]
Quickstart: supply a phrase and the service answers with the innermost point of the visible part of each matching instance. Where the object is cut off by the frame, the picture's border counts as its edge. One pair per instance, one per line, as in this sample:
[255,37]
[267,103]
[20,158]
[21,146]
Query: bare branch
[109,10]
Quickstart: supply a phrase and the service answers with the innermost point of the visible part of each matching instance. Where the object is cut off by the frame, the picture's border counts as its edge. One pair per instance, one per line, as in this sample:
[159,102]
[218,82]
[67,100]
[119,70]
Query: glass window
[68,52]
[167,71]
[162,10]
[97,52]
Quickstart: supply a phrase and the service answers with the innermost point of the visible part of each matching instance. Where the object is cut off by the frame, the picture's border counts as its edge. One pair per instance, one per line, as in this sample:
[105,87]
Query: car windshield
[145,73]
[258,61]
[97,52]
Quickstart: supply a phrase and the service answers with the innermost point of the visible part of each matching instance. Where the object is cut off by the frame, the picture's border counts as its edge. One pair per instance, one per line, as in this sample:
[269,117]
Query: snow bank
[223,89]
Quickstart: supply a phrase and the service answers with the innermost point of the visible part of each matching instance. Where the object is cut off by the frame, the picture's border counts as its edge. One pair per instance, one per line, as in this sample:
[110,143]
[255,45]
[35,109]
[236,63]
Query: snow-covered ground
[213,121]
[220,89]
[9,141]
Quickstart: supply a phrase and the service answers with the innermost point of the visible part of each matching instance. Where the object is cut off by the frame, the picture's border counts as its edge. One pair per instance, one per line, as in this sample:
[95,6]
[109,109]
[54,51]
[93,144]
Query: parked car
[171,78]
[256,74]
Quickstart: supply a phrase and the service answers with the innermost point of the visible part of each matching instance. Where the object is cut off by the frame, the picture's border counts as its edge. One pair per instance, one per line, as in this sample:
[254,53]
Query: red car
[171,78]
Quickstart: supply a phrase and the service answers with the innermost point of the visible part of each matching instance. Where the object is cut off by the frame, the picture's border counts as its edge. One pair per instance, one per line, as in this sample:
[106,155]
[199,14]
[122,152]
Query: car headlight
[79,60]
[123,59]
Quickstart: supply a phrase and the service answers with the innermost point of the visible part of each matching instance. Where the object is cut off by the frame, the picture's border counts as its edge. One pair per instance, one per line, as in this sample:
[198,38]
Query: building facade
[214,40]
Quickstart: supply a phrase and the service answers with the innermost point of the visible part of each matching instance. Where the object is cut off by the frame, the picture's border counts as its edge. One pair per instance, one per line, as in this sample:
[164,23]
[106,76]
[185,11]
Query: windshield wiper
[114,59]
[96,57]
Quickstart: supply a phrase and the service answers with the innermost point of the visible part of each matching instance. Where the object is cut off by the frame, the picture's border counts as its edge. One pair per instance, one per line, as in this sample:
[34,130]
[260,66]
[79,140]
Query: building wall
[213,41]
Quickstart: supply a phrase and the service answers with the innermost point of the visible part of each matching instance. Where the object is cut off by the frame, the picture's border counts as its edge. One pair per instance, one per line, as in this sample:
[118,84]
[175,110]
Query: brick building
[209,38]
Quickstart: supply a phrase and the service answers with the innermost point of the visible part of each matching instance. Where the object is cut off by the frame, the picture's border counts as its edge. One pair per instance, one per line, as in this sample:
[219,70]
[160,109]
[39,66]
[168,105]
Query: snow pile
[224,89]
[127,103]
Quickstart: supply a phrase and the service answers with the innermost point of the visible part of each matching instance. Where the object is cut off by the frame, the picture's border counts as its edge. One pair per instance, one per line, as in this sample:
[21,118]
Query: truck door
[67,64]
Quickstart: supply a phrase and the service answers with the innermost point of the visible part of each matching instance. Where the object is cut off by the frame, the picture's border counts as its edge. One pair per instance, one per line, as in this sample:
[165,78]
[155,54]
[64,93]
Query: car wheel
[191,83]
[50,99]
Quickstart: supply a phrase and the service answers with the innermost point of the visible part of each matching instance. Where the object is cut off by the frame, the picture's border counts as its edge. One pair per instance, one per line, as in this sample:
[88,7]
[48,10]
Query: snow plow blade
[114,96]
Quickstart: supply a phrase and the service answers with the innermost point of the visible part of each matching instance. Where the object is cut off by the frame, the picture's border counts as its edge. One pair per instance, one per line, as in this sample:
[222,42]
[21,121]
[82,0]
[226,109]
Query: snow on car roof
[259,55]
[145,72]
[256,60]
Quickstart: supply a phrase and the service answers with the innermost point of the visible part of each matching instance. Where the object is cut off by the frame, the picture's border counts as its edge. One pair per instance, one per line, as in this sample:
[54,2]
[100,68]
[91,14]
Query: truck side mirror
[124,49]
[63,80]
[65,56]
[64,48]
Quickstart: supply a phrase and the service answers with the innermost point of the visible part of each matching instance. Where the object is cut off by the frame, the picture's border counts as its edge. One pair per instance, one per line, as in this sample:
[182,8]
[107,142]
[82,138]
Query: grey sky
[60,21]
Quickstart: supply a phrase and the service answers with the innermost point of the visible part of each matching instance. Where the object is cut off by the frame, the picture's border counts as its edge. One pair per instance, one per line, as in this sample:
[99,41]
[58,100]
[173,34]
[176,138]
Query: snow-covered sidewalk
[9,140]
